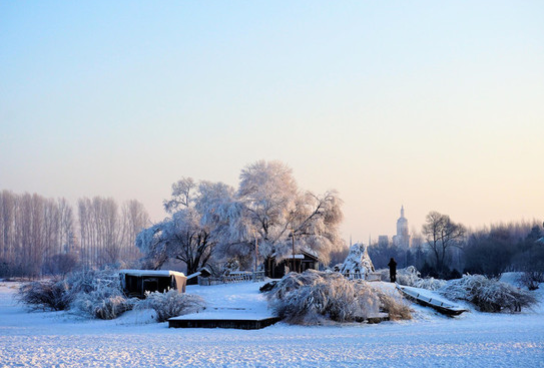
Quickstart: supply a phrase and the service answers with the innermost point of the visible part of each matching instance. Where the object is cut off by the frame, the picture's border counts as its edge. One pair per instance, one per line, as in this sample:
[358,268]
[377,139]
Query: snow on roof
[140,273]
[296,256]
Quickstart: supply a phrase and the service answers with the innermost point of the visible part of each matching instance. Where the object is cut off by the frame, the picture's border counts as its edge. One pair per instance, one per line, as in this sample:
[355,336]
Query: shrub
[393,304]
[429,284]
[488,295]
[95,293]
[44,295]
[105,302]
[171,304]
[531,280]
[408,276]
[316,297]
[98,294]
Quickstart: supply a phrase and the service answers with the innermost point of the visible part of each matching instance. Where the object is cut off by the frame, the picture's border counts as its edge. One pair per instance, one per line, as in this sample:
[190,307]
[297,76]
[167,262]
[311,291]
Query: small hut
[136,283]
[292,263]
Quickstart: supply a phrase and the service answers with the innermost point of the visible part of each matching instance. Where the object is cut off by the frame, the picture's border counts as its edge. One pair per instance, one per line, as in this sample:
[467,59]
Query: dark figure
[392,270]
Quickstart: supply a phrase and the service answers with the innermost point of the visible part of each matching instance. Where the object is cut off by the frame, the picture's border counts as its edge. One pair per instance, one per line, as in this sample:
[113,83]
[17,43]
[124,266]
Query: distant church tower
[402,239]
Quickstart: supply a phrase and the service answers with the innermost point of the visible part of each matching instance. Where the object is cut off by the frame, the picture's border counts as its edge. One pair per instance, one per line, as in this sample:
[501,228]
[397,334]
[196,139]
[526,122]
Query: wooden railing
[372,276]
[231,278]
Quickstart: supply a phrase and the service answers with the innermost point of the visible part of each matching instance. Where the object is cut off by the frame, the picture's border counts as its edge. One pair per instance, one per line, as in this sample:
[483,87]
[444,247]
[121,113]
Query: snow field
[57,339]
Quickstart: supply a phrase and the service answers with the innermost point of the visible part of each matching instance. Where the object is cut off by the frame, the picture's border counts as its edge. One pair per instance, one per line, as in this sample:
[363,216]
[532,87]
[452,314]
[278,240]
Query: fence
[233,277]
[371,276]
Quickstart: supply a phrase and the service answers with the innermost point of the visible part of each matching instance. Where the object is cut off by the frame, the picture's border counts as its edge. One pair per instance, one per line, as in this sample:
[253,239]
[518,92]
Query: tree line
[41,235]
[263,221]
[447,249]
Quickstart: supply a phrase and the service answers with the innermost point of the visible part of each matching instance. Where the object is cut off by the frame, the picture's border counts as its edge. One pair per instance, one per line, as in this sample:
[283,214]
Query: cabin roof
[140,273]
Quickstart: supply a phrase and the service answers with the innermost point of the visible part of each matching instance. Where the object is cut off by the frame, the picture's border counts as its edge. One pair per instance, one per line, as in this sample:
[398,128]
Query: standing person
[392,270]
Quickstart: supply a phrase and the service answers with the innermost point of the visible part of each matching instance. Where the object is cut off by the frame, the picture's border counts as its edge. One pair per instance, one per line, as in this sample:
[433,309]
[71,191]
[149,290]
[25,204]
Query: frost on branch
[410,276]
[430,284]
[488,295]
[271,210]
[213,222]
[103,303]
[171,304]
[98,294]
[392,303]
[313,298]
[44,295]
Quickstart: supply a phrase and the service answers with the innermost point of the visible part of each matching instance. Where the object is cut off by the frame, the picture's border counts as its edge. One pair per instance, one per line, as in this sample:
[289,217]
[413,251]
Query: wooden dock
[231,318]
[242,324]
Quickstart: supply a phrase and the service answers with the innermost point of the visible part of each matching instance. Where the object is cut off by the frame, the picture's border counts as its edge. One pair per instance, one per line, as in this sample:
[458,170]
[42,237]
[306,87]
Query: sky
[437,106]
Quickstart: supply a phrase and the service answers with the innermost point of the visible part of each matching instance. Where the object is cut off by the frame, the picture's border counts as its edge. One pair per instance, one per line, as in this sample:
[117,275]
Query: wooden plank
[245,324]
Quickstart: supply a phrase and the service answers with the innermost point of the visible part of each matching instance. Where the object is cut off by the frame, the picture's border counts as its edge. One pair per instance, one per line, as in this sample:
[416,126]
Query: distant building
[403,238]
[383,241]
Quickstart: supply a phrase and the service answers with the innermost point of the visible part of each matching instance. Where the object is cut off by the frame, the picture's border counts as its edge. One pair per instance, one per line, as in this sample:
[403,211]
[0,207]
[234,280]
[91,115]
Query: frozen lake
[474,339]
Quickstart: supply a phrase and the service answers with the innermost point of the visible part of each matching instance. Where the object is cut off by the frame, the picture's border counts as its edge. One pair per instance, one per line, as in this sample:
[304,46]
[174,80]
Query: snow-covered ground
[57,339]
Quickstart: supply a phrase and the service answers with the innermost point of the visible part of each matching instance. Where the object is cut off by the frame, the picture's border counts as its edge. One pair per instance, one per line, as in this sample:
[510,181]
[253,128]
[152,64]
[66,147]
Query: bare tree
[441,234]
[99,231]
[134,218]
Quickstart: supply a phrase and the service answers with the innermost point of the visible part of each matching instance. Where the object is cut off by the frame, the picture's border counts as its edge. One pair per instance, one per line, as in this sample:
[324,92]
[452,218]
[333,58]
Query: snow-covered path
[473,340]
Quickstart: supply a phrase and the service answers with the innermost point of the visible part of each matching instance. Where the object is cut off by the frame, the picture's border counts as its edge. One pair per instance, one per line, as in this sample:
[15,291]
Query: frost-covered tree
[270,210]
[191,233]
[358,263]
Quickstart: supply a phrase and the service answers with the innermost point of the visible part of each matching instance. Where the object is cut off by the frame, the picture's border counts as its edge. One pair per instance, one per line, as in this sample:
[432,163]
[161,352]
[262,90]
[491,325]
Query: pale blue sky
[434,105]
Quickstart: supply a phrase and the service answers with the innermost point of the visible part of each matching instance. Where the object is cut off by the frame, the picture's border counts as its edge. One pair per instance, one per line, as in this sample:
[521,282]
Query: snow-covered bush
[531,279]
[94,293]
[393,304]
[98,294]
[384,274]
[45,295]
[105,302]
[85,282]
[171,304]
[408,276]
[317,297]
[429,284]
[405,276]
[488,295]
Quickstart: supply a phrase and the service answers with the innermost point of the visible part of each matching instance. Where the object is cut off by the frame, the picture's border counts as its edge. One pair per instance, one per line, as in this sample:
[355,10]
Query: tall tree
[270,208]
[108,235]
[441,234]
[134,218]
[189,234]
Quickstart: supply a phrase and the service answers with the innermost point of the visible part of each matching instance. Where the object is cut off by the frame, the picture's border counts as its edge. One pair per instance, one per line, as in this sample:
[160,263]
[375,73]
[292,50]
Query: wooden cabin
[297,263]
[135,283]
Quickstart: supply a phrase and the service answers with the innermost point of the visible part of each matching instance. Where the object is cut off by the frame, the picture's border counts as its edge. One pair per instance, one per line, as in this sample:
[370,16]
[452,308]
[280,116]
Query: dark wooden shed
[297,263]
[136,283]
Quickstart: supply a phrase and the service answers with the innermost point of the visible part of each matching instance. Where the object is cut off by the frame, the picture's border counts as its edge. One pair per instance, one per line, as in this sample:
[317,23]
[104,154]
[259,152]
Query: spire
[402,211]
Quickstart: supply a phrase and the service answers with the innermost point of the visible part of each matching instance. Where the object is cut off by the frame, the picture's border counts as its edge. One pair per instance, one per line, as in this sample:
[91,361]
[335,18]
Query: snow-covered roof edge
[151,273]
